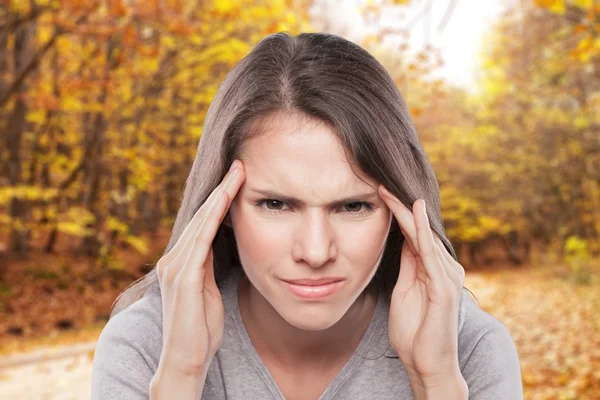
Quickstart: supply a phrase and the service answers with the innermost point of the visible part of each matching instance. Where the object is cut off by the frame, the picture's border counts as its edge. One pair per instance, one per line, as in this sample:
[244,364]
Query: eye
[356,208]
[358,205]
[271,202]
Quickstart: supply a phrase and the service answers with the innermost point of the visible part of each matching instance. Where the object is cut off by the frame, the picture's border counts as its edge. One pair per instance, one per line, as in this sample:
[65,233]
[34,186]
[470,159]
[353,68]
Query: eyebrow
[297,202]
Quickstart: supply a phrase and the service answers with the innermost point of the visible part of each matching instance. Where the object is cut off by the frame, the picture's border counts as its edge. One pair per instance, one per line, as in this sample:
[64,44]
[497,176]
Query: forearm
[453,387]
[167,384]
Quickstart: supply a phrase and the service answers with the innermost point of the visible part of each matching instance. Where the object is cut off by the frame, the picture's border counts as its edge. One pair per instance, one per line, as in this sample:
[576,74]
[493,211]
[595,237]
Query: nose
[315,244]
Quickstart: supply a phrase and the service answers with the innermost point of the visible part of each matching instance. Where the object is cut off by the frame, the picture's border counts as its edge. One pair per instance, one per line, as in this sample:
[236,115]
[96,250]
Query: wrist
[451,386]
[452,389]
[168,383]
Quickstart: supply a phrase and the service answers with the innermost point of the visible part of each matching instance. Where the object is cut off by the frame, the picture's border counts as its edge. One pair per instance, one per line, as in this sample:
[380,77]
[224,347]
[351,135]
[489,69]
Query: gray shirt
[129,348]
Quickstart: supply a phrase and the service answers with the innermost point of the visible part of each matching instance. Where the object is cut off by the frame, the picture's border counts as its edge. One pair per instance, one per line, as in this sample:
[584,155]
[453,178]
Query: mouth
[316,290]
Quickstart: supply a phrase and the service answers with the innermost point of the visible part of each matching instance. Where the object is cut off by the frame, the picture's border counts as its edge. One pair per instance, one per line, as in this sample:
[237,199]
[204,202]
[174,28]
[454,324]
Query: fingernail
[424,206]
[233,165]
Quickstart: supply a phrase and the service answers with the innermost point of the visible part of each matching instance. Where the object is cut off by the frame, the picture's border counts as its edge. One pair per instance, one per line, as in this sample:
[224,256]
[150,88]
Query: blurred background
[102,104]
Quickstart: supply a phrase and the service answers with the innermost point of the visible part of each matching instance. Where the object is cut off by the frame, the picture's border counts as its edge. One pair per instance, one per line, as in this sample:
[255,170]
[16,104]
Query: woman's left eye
[354,208]
[359,205]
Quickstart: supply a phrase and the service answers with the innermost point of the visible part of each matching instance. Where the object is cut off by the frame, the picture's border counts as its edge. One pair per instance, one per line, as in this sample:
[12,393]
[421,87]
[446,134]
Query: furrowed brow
[297,202]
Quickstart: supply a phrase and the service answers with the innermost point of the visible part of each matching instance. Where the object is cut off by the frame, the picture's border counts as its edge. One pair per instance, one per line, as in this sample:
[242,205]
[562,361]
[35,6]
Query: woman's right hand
[193,316]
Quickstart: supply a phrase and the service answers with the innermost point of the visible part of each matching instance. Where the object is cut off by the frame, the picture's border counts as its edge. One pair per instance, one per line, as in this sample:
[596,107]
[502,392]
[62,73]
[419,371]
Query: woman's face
[314,236]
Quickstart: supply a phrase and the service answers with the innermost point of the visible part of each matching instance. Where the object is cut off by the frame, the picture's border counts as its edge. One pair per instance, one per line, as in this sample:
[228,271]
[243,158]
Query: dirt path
[48,378]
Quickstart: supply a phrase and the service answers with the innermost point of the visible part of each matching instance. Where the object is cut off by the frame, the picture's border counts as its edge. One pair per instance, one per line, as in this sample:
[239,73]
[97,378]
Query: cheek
[363,244]
[258,239]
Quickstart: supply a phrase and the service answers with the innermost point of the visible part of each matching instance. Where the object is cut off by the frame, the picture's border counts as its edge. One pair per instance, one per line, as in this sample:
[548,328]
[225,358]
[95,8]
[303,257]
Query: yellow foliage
[71,103]
[19,6]
[230,51]
[576,246]
[27,193]
[72,228]
[195,131]
[169,42]
[226,6]
[80,214]
[114,224]
[138,243]
[556,6]
[585,4]
[36,116]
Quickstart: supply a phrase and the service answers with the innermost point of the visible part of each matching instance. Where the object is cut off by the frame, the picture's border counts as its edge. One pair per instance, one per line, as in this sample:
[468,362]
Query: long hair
[323,77]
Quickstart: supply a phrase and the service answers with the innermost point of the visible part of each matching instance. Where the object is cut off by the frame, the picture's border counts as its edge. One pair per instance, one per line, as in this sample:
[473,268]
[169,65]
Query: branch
[10,24]
[449,10]
[33,63]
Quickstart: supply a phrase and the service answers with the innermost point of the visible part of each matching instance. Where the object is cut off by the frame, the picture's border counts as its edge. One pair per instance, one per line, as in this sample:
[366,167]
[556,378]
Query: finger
[191,229]
[444,251]
[230,185]
[404,217]
[228,182]
[409,241]
[184,245]
[453,268]
[193,269]
[408,270]
[210,283]
[427,247]
[209,225]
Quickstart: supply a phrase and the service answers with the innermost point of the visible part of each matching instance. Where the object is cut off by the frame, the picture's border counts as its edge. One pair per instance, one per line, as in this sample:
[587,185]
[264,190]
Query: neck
[276,339]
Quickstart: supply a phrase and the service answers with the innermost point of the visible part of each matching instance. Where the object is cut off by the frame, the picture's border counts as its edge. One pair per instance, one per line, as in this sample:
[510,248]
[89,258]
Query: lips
[316,292]
[313,282]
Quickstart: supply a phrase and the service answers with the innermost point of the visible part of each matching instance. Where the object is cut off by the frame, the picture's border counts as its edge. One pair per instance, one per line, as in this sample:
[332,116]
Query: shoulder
[487,354]
[140,320]
[128,350]
[477,325]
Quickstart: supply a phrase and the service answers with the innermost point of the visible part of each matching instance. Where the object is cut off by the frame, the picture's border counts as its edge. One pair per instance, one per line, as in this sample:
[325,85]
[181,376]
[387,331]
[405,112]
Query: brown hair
[323,77]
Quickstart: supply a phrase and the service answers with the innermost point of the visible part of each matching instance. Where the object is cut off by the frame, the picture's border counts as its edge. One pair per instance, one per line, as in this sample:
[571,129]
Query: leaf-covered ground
[555,325]
[60,294]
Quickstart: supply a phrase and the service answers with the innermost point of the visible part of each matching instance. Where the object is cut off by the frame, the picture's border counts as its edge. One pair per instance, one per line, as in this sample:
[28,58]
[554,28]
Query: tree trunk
[15,129]
[511,243]
[92,242]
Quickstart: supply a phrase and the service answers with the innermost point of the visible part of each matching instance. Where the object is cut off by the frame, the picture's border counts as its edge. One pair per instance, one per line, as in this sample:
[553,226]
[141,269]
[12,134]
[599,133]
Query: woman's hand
[193,315]
[423,317]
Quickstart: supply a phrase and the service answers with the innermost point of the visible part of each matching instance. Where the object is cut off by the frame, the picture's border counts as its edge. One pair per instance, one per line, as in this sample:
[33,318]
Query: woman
[312,269]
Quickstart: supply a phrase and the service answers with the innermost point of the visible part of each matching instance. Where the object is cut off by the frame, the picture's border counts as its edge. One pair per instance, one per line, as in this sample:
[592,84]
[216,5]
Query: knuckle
[202,239]
[426,253]
[224,195]
[169,275]
[187,282]
[161,269]
[450,294]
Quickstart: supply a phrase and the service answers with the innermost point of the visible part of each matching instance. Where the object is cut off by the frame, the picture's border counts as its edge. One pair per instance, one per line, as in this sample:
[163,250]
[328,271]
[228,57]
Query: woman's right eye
[265,205]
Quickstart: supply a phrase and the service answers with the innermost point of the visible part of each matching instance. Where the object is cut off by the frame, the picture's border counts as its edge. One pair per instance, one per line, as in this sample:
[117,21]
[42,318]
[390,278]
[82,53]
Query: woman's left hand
[423,316]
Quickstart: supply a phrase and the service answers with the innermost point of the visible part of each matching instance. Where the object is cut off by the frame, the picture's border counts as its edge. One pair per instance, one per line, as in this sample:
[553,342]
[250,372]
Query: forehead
[300,157]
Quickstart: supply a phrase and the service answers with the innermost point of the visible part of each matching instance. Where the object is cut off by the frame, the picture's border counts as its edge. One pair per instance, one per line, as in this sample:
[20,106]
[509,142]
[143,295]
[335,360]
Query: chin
[312,315]
[315,317]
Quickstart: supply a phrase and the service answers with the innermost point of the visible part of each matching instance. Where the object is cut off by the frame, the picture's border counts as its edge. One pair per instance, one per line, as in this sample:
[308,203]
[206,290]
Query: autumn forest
[102,104]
